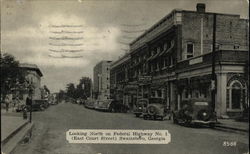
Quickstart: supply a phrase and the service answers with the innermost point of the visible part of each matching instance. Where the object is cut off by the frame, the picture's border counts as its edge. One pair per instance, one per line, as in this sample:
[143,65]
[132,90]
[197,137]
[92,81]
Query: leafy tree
[70,90]
[61,95]
[11,74]
[83,89]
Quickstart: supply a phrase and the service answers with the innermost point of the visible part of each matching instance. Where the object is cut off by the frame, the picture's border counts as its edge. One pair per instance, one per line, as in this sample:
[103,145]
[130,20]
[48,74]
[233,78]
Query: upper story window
[158,49]
[172,42]
[165,46]
[190,50]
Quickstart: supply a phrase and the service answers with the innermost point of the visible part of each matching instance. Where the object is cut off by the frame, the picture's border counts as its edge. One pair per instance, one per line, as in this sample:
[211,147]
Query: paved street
[49,134]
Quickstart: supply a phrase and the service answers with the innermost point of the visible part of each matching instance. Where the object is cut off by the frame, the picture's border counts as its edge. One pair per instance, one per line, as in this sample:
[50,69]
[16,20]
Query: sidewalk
[233,125]
[13,129]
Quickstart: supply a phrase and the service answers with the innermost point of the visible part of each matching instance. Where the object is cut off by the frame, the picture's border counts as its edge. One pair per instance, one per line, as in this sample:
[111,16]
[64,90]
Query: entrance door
[236,98]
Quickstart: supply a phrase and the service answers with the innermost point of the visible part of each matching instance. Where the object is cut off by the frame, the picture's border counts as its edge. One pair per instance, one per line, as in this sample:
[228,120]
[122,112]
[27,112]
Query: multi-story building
[101,88]
[33,81]
[175,59]
[119,80]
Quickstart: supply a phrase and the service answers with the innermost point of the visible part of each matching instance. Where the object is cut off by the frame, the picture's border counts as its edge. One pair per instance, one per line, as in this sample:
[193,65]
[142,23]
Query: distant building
[101,88]
[33,79]
[119,77]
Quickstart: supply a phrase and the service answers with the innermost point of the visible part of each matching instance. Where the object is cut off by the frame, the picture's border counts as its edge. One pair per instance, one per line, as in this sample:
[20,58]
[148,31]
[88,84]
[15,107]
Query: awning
[167,50]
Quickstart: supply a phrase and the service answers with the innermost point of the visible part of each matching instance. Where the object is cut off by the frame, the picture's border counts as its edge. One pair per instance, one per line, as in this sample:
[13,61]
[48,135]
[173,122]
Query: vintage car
[141,105]
[103,105]
[89,103]
[118,106]
[38,105]
[195,111]
[20,106]
[156,109]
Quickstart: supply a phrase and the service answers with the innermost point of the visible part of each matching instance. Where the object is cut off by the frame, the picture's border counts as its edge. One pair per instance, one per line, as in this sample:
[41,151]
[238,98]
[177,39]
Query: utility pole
[213,80]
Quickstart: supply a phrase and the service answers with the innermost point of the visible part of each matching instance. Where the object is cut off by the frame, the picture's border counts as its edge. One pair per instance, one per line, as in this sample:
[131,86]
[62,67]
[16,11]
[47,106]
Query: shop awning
[167,50]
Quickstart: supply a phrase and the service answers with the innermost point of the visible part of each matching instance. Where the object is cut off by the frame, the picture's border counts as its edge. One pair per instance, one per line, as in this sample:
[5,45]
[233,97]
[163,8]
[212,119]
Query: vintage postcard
[124,76]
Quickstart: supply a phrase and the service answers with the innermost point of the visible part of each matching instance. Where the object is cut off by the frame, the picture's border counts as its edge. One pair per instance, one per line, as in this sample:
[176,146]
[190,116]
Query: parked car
[118,106]
[89,103]
[103,104]
[141,105]
[196,111]
[37,105]
[156,109]
[20,106]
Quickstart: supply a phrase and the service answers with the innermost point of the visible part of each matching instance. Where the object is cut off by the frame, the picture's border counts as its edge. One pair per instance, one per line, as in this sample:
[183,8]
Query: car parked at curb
[195,111]
[103,105]
[156,109]
[141,105]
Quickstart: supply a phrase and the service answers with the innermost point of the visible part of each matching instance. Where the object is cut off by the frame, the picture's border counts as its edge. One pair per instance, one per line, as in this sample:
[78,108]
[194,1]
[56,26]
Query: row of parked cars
[191,111]
[109,105]
[37,105]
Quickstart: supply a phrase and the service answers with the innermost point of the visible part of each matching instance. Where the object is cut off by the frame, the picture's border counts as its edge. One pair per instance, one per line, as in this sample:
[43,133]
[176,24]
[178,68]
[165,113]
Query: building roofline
[31,67]
[172,12]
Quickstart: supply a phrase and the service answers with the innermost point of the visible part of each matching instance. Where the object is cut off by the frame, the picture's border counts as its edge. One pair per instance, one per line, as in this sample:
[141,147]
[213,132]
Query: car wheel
[187,121]
[137,115]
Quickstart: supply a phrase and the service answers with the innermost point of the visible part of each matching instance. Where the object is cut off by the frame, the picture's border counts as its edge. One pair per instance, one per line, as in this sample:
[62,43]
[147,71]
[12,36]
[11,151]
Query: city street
[49,134]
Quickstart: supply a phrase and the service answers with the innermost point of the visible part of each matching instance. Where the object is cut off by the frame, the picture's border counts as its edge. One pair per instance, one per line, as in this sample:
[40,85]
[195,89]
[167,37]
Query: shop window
[190,50]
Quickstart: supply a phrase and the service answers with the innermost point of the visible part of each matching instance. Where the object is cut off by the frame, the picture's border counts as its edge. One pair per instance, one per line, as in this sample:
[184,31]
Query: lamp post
[213,80]
[31,91]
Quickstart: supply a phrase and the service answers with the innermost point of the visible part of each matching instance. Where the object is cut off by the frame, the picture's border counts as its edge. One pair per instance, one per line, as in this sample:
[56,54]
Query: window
[165,46]
[235,95]
[190,50]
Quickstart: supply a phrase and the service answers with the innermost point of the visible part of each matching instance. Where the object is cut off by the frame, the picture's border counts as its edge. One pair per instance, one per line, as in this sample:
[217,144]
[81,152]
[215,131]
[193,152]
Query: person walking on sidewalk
[7,102]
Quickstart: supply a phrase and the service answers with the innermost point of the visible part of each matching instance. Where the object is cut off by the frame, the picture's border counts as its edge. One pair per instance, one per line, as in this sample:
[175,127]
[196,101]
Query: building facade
[33,81]
[101,88]
[174,59]
[119,80]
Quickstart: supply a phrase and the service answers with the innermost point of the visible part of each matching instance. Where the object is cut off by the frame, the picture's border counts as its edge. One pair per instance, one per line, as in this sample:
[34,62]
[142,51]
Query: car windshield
[201,103]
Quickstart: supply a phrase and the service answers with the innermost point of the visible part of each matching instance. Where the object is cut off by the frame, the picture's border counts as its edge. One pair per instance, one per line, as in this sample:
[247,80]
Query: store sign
[145,78]
[196,61]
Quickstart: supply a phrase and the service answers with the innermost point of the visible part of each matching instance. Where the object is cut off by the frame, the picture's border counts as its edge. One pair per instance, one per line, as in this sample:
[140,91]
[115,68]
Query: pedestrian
[7,102]
[13,103]
[28,100]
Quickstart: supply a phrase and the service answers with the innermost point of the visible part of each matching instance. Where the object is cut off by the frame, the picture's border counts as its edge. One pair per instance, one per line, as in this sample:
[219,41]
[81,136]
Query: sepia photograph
[124,76]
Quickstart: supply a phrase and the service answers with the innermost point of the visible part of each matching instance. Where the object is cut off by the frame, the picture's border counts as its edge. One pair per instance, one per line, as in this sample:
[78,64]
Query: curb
[14,139]
[232,128]
[13,133]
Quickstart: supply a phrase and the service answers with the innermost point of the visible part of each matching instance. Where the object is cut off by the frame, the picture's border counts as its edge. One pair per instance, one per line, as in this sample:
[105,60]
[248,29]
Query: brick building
[176,53]
[119,80]
[101,88]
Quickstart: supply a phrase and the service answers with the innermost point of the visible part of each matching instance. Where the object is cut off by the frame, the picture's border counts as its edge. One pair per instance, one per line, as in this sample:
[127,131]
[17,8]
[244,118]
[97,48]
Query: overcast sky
[102,30]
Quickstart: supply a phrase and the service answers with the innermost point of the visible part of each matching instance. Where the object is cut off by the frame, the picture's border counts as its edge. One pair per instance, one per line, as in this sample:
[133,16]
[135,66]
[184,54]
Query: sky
[67,38]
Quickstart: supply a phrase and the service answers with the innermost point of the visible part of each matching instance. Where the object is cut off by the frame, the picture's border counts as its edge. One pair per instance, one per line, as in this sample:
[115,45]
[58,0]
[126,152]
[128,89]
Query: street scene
[49,134]
[123,77]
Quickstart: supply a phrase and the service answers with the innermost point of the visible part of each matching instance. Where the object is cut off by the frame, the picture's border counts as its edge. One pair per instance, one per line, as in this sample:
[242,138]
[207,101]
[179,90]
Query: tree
[11,74]
[83,89]
[61,95]
[70,90]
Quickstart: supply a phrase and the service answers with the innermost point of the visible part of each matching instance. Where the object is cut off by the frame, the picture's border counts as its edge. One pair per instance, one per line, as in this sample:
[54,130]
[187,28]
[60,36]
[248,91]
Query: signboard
[195,61]
[145,78]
